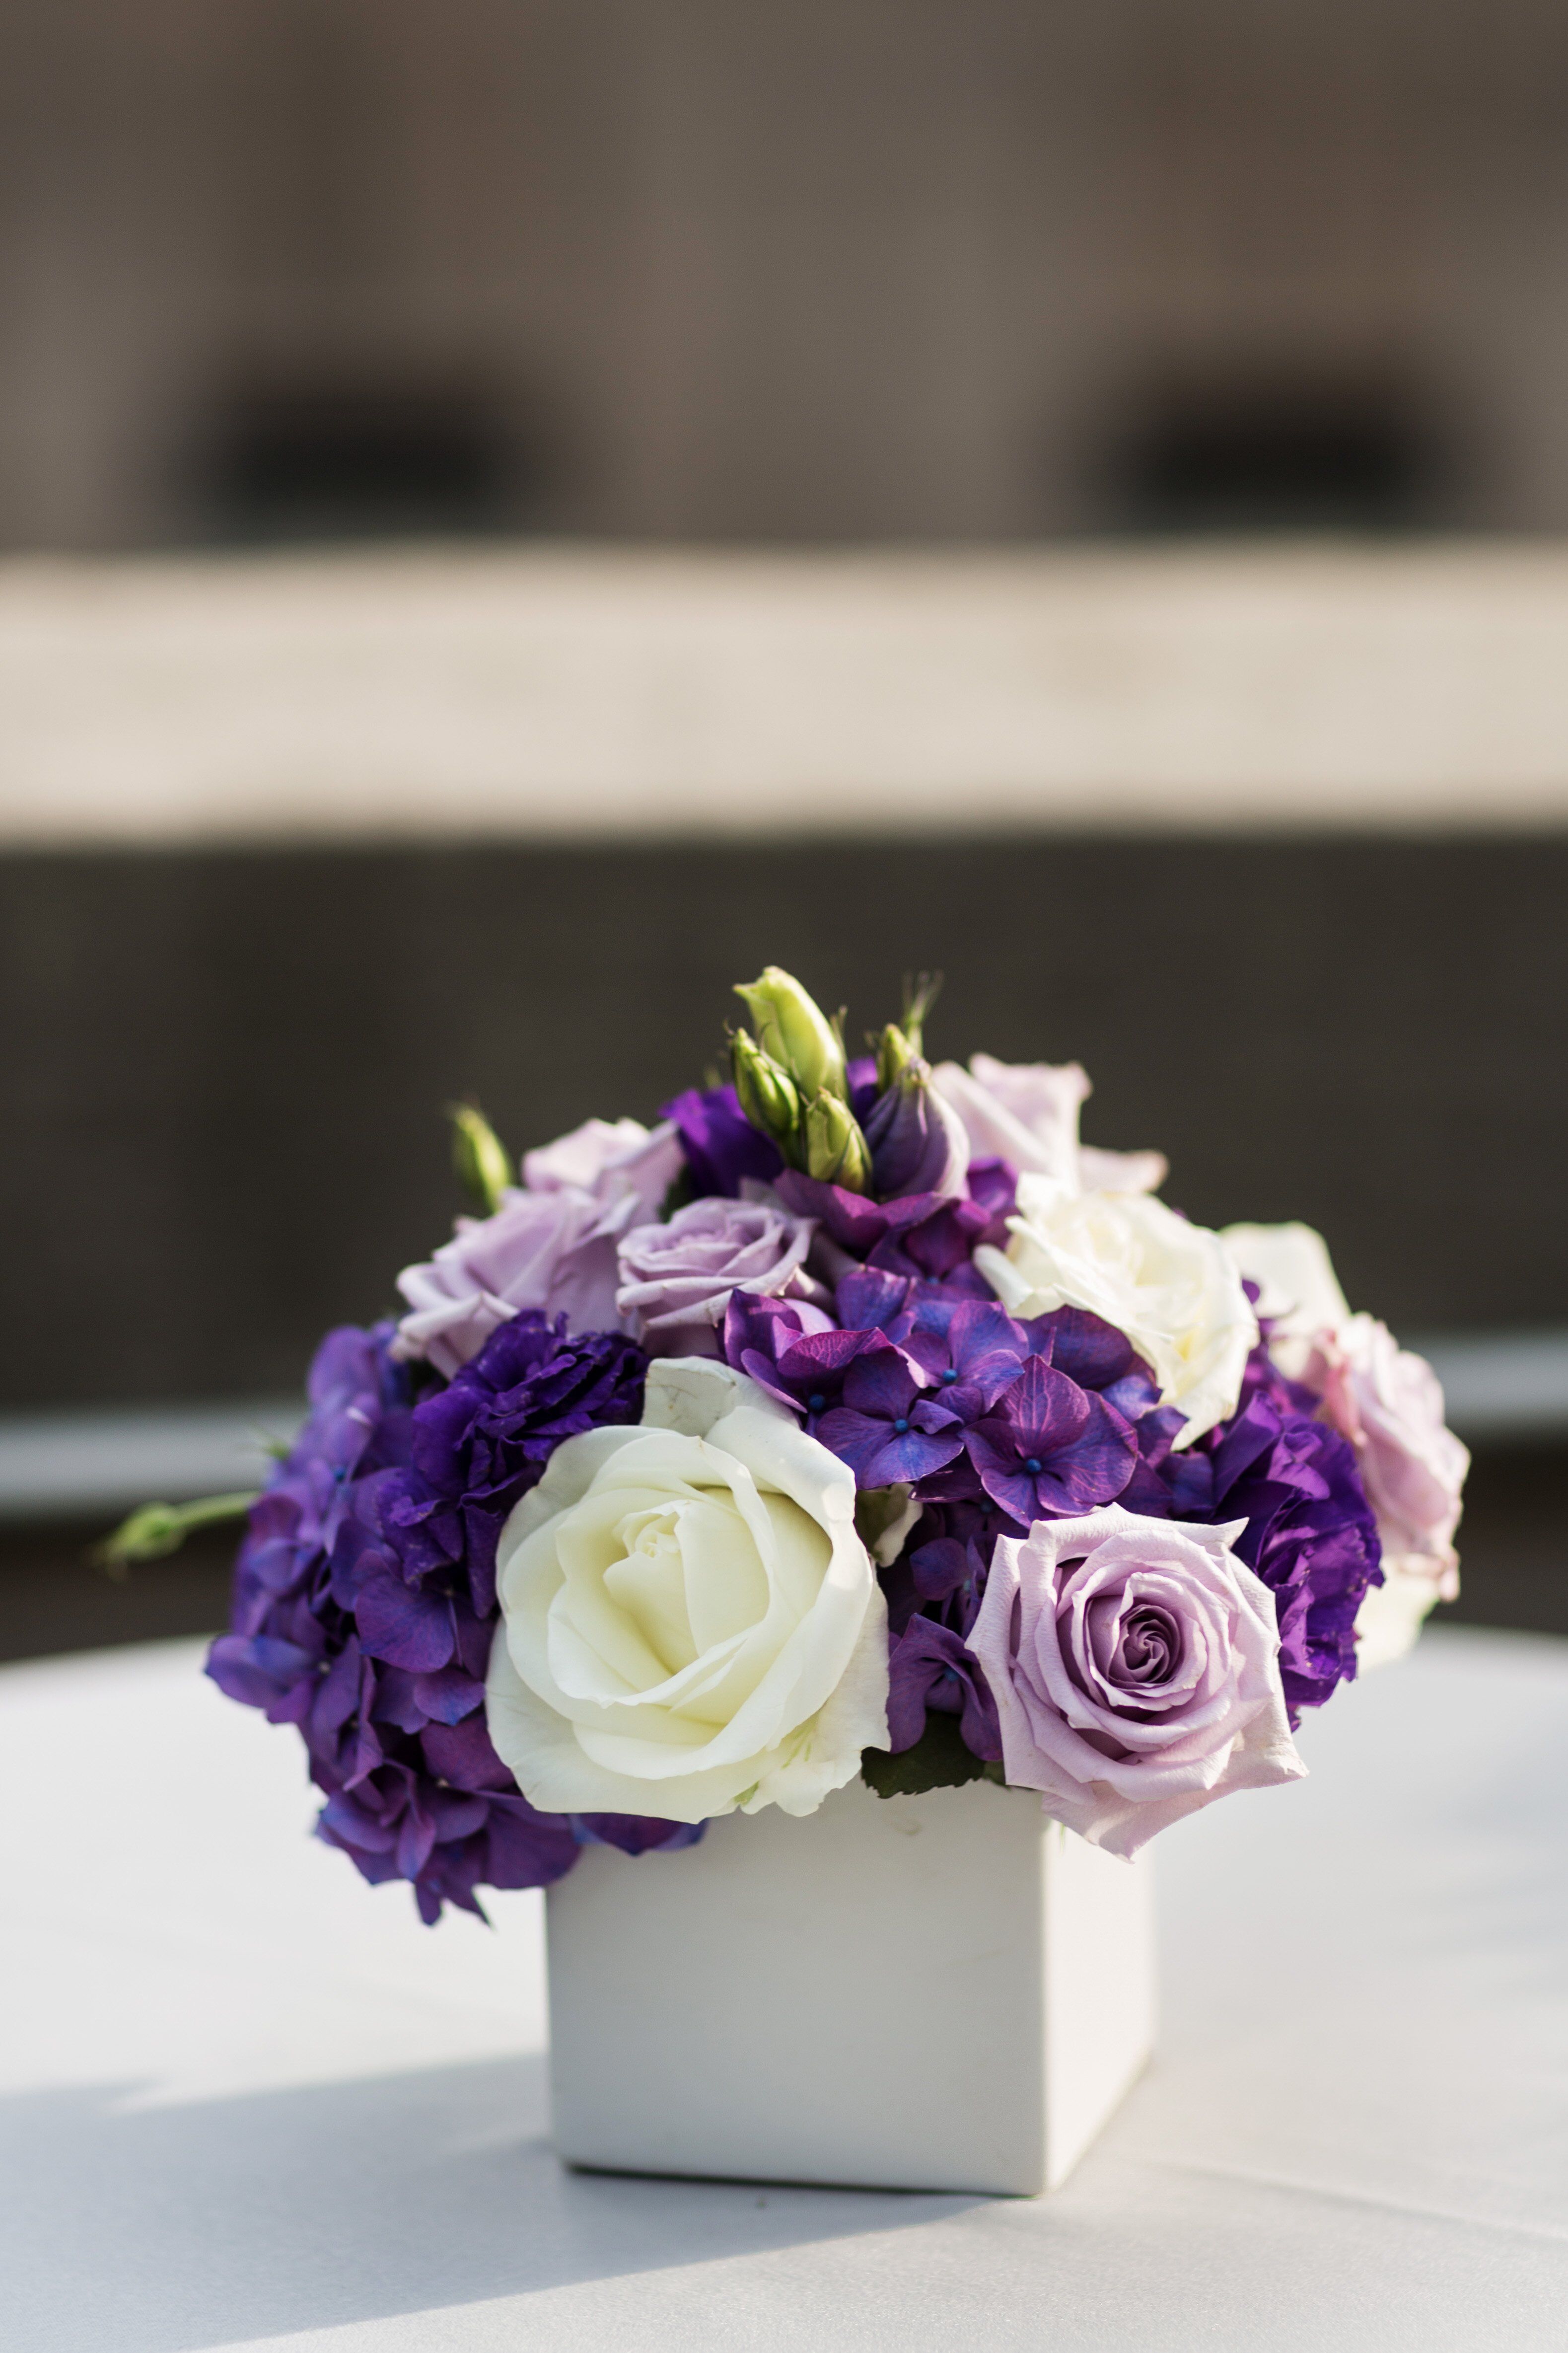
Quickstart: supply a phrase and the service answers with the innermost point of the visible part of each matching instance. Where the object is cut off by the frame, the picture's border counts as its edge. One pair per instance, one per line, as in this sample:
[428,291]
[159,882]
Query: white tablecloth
[248,2100]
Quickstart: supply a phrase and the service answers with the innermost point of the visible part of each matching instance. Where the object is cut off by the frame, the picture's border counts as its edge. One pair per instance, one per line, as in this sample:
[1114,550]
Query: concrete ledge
[574,693]
[73,1466]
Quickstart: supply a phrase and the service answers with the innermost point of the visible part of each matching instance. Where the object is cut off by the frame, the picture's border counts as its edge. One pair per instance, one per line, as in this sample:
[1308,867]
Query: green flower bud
[794,1031]
[835,1148]
[769,1096]
[479,1158]
[894,1055]
[160,1528]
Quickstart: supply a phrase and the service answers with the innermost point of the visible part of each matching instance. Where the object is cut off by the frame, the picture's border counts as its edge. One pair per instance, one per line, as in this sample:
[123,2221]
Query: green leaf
[939,1760]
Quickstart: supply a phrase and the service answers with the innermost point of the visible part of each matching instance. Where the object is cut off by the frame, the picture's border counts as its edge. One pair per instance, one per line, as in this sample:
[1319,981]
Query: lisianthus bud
[768,1095]
[792,1029]
[480,1158]
[894,1054]
[835,1148]
[917,1142]
[157,1529]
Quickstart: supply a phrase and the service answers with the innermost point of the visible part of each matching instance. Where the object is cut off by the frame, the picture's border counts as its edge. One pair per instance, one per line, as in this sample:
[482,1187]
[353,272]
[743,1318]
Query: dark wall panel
[223,1073]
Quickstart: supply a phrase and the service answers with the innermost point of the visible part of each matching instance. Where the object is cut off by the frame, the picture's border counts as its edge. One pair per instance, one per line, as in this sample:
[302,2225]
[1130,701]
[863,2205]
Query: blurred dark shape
[846,269]
[1284,456]
[355,461]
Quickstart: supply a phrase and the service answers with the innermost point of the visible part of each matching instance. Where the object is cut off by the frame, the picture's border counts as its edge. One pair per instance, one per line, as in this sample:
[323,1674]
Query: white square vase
[940,1992]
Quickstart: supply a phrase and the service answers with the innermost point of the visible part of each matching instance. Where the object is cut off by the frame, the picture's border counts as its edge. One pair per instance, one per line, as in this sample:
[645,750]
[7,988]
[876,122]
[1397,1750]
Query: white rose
[1299,1292]
[1027,1114]
[1172,1287]
[689,1621]
[1388,1402]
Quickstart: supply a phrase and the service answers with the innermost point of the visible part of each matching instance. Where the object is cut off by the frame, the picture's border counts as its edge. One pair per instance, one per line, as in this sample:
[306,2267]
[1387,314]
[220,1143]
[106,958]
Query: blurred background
[514,515]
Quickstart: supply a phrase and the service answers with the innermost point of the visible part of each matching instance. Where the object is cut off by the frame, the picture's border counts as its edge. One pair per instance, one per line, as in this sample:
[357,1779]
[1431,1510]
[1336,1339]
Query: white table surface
[249,2101]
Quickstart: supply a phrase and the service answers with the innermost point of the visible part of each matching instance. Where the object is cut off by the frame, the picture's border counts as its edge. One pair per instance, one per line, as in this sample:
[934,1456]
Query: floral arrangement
[854,1419]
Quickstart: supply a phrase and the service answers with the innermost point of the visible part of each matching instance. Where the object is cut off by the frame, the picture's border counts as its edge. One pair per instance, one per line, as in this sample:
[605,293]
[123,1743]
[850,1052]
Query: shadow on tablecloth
[157,2229]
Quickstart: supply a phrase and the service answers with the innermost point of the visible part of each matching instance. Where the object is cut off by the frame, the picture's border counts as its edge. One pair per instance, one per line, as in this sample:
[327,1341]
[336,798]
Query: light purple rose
[1388,1402]
[1027,1113]
[677,1279]
[1135,1663]
[551,1245]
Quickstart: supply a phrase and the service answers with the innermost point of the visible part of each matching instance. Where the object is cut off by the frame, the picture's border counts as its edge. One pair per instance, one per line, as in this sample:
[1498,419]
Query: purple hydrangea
[928,1667]
[922,1237]
[1310,1532]
[364,1600]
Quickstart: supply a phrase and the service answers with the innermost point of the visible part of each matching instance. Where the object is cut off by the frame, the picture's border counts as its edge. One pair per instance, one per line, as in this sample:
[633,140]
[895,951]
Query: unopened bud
[794,1031]
[835,1150]
[894,1054]
[769,1096]
[479,1158]
[158,1529]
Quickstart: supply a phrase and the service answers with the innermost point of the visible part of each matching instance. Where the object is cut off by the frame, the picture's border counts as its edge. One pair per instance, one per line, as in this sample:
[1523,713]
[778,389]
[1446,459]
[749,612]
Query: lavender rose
[1027,1114]
[677,1279]
[1388,1402]
[551,1245]
[1134,1666]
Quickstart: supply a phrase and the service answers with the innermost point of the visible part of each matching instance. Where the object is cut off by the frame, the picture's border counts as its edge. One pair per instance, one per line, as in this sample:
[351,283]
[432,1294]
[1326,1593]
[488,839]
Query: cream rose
[1172,1287]
[1388,1402]
[689,1621]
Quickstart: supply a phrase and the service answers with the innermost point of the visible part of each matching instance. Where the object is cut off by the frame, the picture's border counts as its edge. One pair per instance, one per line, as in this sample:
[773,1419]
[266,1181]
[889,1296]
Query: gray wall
[222,1074]
[716,267]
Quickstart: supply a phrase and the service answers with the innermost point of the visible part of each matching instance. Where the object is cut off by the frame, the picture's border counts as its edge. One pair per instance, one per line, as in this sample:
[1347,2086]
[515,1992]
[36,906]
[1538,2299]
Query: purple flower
[1135,1669]
[720,1145]
[550,1246]
[929,1667]
[970,1350]
[1049,1447]
[477,1447]
[767,1340]
[918,1142]
[888,1426]
[1310,1535]
[1310,1532]
[363,1604]
[677,1279]
[634,1834]
[922,1237]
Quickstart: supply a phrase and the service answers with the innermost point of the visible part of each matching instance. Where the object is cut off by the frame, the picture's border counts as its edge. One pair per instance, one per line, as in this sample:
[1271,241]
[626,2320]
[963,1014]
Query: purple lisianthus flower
[929,1667]
[477,1447]
[721,1146]
[918,1143]
[1310,1535]
[678,1279]
[363,1603]
[1048,1447]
